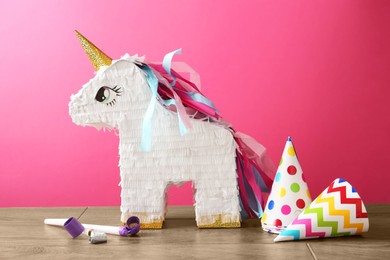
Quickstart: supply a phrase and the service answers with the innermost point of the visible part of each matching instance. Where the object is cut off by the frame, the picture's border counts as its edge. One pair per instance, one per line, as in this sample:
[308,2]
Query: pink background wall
[316,70]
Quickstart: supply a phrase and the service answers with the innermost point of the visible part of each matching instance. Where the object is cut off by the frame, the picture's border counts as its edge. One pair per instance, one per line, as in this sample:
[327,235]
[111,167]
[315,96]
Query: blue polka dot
[271,204]
[278,176]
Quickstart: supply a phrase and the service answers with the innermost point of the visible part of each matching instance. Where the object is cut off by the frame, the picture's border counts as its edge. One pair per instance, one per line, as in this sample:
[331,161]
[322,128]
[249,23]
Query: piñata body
[155,152]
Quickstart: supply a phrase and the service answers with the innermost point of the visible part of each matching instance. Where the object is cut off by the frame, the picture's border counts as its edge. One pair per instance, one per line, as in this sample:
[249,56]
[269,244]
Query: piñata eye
[107,95]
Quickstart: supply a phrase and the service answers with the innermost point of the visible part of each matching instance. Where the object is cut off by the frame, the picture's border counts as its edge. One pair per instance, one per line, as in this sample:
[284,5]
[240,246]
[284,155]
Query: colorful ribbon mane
[177,93]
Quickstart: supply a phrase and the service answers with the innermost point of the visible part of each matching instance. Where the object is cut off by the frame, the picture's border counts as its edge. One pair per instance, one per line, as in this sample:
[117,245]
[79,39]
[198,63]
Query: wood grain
[23,235]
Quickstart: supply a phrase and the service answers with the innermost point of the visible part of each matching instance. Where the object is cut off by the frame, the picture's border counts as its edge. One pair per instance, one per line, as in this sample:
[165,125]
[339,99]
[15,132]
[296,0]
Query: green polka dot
[295,187]
[281,161]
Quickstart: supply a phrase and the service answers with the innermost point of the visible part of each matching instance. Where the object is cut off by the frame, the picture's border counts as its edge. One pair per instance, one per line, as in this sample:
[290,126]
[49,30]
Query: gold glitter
[218,224]
[96,56]
[156,223]
[153,225]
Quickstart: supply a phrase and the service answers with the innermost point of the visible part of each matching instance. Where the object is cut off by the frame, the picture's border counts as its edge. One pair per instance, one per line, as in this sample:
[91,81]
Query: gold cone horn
[96,56]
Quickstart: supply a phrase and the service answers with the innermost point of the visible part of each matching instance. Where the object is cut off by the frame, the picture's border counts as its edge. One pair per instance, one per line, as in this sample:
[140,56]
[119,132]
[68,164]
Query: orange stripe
[338,212]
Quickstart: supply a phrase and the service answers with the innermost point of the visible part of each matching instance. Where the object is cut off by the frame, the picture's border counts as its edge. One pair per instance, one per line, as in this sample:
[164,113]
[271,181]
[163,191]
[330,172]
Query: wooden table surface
[23,235]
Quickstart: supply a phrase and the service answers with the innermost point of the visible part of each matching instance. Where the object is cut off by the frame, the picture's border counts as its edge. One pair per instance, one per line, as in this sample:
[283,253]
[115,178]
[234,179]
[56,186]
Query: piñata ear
[96,56]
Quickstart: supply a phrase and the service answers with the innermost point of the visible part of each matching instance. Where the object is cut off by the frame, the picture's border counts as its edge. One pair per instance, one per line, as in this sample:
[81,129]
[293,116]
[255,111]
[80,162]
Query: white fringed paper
[206,155]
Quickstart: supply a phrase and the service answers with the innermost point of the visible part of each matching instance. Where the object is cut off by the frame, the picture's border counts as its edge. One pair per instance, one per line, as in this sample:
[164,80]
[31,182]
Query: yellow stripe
[338,212]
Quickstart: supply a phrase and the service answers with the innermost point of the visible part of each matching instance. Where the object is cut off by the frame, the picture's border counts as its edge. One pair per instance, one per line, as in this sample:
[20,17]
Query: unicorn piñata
[170,133]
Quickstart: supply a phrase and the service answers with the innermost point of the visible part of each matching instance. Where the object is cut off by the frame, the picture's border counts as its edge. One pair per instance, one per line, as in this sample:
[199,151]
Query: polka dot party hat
[289,195]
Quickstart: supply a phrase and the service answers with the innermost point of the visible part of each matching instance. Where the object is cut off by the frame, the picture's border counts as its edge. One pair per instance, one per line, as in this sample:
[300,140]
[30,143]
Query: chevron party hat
[289,195]
[337,211]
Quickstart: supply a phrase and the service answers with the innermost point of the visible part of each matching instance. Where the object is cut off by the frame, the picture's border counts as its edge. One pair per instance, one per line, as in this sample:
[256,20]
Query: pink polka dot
[300,203]
[291,170]
[277,223]
[286,209]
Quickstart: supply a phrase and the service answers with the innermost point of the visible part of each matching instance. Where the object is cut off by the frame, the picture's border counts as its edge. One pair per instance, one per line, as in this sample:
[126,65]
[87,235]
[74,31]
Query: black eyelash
[112,102]
[117,90]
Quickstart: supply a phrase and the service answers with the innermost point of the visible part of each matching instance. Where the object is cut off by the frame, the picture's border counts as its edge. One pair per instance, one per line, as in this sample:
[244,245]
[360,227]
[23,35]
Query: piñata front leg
[144,199]
[217,204]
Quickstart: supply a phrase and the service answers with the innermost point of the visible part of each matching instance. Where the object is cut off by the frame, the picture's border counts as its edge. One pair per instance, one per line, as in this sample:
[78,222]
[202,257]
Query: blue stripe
[293,233]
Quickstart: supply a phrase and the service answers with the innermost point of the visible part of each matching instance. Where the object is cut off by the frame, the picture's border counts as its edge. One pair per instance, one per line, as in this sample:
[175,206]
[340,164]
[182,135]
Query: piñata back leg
[217,204]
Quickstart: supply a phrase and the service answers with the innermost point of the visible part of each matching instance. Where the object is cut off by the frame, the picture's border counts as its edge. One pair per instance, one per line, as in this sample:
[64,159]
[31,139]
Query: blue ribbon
[167,64]
[146,139]
[253,202]
[202,99]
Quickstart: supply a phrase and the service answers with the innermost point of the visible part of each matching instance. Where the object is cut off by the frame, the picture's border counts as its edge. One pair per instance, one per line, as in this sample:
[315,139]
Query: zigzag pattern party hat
[337,211]
[289,195]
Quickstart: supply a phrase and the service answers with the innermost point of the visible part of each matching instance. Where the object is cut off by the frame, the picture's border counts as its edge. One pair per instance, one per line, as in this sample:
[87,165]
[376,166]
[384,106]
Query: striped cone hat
[337,211]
